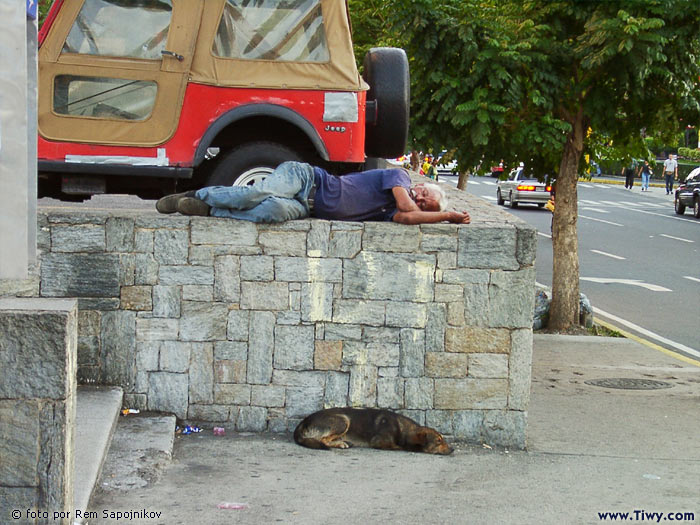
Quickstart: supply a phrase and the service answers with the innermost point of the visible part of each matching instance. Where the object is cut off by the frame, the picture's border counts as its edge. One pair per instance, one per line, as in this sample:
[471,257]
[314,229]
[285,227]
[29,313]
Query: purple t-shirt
[364,196]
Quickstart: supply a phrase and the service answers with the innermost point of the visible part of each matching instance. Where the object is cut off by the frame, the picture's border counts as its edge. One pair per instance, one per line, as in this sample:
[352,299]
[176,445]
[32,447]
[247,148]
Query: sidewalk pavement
[590,450]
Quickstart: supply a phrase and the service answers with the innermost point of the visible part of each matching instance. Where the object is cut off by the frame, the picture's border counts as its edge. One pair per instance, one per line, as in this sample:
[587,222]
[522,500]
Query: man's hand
[429,217]
[459,217]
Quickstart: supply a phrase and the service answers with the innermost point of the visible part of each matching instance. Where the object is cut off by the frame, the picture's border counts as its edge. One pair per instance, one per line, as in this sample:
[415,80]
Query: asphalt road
[638,259]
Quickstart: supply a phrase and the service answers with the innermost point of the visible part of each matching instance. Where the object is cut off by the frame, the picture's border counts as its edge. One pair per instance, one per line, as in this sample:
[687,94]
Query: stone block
[520,369]
[438,243]
[465,276]
[201,375]
[446,364]
[328,355]
[383,354]
[435,327]
[302,269]
[316,302]
[118,349]
[412,362]
[166,301]
[470,393]
[252,419]
[237,326]
[468,425]
[260,349]
[448,293]
[85,238]
[476,303]
[526,248]
[230,371]
[440,420]
[203,321]
[224,232]
[57,429]
[15,498]
[488,247]
[468,339]
[268,396]
[215,413]
[201,293]
[363,386]
[419,393]
[38,348]
[390,237]
[505,428]
[168,392]
[303,401]
[231,350]
[289,243]
[156,329]
[171,247]
[264,296]
[390,391]
[512,298]
[148,356]
[136,298]
[80,275]
[20,442]
[373,276]
[145,269]
[232,394]
[227,280]
[127,269]
[175,356]
[359,312]
[143,240]
[345,244]
[406,315]
[344,332]
[488,365]
[318,239]
[119,234]
[257,268]
[302,379]
[180,275]
[336,392]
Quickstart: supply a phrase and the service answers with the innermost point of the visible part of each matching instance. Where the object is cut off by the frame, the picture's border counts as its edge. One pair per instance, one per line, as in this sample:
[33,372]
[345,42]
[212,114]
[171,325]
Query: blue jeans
[645,181]
[669,183]
[282,196]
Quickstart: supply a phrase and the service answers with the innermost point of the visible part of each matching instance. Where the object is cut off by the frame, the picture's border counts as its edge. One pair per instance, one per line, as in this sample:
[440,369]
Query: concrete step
[97,412]
[141,449]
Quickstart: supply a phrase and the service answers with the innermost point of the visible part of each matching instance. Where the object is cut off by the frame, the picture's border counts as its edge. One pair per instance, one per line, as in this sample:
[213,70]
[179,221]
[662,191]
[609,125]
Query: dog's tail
[300,438]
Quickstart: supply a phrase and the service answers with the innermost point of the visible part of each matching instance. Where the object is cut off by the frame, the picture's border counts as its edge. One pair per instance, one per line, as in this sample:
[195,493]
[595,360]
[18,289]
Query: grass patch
[603,331]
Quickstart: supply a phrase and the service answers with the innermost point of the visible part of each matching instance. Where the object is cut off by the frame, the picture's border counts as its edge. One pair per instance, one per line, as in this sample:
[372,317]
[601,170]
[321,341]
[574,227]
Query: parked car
[150,97]
[688,194]
[518,188]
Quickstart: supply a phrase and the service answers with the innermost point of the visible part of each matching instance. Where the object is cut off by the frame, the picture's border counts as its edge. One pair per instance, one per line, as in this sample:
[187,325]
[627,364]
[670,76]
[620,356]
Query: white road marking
[591,208]
[631,282]
[611,203]
[674,238]
[489,183]
[544,235]
[628,203]
[585,185]
[489,197]
[609,255]
[594,203]
[691,278]
[600,220]
[473,182]
[648,333]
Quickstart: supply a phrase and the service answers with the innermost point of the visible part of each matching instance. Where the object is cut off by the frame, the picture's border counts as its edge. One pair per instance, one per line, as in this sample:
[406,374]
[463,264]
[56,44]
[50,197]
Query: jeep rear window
[112,98]
[137,29]
[287,31]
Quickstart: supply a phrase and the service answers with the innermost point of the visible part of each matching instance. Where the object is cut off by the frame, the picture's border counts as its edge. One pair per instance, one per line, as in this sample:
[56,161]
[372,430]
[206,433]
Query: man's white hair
[440,193]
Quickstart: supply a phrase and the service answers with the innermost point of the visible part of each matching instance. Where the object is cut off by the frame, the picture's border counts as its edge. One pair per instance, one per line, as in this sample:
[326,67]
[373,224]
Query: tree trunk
[564,310]
[462,181]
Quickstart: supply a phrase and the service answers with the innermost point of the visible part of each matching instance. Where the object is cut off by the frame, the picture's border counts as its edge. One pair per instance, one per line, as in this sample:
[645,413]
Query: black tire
[499,198]
[512,203]
[386,71]
[696,207]
[679,206]
[249,162]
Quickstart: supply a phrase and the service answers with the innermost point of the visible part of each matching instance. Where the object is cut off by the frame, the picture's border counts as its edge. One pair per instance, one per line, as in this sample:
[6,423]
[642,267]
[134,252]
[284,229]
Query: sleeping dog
[368,427]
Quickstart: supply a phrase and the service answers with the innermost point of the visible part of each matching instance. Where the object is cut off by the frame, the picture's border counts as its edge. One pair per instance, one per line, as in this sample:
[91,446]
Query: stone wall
[38,339]
[255,326]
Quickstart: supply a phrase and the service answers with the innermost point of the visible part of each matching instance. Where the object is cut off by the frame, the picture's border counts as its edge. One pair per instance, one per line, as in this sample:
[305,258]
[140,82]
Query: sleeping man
[374,195]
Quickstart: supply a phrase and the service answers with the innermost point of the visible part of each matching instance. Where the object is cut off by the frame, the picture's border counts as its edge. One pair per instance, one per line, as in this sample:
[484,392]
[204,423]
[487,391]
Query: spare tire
[249,163]
[386,72]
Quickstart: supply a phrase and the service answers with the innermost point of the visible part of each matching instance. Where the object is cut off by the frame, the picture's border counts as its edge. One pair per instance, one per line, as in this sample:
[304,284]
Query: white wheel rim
[252,176]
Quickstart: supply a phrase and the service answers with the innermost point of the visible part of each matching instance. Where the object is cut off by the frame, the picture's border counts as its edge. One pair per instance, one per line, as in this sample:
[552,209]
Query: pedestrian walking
[646,175]
[629,172]
[670,172]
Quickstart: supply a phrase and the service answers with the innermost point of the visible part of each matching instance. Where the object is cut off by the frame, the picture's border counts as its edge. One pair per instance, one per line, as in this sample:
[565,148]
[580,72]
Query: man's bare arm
[427,217]
[404,202]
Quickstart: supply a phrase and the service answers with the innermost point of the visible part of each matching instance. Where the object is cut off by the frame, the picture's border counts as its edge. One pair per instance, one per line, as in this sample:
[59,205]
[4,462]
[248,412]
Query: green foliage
[44,6]
[690,153]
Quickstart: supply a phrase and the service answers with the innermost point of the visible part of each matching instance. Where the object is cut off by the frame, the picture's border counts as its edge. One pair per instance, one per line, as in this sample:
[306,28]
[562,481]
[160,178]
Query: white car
[519,189]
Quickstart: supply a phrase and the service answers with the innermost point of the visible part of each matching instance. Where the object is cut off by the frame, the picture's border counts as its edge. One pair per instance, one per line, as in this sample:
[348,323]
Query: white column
[14,150]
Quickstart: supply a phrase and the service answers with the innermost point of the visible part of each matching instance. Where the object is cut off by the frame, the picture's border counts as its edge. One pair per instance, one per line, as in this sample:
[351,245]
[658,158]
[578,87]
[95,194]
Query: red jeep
[154,96]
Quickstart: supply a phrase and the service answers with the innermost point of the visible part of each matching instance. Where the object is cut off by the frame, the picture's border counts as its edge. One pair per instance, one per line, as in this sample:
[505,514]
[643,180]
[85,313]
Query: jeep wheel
[386,72]
[248,163]
[679,206]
